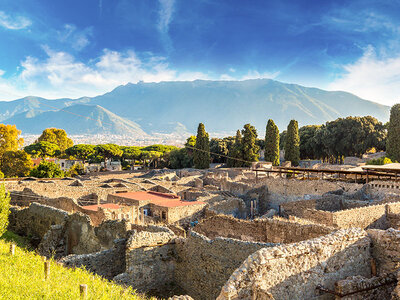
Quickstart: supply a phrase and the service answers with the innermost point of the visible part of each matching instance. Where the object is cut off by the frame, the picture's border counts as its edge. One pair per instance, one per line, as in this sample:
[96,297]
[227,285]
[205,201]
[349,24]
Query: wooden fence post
[46,269]
[83,291]
[12,249]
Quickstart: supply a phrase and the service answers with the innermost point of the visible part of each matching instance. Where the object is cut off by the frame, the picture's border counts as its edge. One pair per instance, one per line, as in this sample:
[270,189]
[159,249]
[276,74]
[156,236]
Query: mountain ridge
[223,106]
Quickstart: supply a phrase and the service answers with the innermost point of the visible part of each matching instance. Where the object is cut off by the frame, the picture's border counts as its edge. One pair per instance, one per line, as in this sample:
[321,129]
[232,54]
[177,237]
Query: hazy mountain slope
[228,105]
[77,119]
[223,106]
[34,105]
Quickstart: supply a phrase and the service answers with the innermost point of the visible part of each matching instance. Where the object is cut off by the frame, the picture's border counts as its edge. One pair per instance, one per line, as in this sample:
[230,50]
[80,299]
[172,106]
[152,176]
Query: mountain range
[142,109]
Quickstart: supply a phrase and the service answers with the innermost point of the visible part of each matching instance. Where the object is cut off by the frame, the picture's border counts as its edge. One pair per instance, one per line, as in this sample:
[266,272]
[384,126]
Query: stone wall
[385,249]
[294,271]
[150,261]
[203,265]
[263,230]
[35,220]
[107,263]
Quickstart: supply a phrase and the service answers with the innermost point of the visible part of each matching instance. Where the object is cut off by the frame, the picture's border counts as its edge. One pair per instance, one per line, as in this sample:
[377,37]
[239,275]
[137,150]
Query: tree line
[351,136]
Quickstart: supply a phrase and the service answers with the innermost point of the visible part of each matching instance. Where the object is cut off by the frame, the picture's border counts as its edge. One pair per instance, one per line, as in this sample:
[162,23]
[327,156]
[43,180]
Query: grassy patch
[22,277]
[20,241]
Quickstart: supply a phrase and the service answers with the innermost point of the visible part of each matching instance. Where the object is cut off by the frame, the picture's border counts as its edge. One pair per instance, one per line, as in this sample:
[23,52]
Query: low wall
[203,265]
[294,271]
[263,230]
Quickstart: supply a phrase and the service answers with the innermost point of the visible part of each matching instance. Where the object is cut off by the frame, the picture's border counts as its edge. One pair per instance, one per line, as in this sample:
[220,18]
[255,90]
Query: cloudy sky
[80,48]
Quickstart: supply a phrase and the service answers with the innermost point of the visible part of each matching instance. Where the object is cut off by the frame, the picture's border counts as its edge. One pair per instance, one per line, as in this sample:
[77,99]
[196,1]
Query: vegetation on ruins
[43,150]
[236,152]
[292,144]
[271,153]
[22,277]
[47,169]
[9,138]
[393,135]
[56,136]
[379,161]
[249,144]
[201,153]
[4,208]
[16,163]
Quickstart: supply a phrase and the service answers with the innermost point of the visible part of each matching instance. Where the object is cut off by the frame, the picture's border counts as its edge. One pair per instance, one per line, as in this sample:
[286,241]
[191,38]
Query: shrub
[76,169]
[47,169]
[379,161]
[4,208]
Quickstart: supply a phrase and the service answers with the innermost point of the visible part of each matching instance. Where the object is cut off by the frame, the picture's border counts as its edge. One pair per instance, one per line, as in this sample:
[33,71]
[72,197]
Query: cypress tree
[292,146]
[250,148]
[236,152]
[201,155]
[393,137]
[271,152]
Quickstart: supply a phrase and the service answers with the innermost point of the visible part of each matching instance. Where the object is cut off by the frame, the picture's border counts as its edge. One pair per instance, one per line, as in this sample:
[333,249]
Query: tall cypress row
[271,152]
[236,153]
[250,148]
[393,137]
[292,146]
[201,153]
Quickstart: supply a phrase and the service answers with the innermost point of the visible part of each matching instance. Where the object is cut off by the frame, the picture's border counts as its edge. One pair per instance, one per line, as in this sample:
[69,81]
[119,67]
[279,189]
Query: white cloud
[78,39]
[165,14]
[372,78]
[15,22]
[2,72]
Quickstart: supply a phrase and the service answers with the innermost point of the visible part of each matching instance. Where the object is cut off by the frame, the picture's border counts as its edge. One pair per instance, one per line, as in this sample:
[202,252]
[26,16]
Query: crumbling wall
[385,249]
[294,271]
[204,265]
[107,263]
[35,220]
[263,230]
[176,214]
[150,261]
[351,285]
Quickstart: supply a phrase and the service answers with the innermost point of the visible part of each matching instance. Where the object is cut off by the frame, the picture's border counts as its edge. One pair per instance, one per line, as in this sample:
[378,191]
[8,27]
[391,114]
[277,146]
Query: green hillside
[22,277]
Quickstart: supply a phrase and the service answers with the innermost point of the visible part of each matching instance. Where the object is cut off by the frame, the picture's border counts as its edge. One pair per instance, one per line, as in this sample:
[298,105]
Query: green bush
[379,161]
[47,169]
[1,174]
[4,208]
[75,170]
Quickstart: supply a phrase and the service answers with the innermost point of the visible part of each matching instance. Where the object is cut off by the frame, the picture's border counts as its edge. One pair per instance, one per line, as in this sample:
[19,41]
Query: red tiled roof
[149,196]
[160,199]
[105,205]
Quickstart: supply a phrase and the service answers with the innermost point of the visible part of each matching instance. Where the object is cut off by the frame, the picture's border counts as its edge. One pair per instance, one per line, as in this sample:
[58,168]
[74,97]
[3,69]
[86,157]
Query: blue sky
[84,48]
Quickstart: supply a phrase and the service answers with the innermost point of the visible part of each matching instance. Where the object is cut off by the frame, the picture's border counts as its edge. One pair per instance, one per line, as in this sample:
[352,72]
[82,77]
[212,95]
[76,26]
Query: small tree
[56,136]
[271,153]
[81,151]
[201,153]
[4,208]
[292,145]
[43,149]
[47,169]
[393,138]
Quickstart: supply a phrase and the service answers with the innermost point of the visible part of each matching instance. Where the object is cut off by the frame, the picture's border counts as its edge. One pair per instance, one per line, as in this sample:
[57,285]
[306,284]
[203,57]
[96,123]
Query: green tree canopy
[47,169]
[16,163]
[218,146]
[81,151]
[393,139]
[108,151]
[236,152]
[249,147]
[43,149]
[308,143]
[201,153]
[292,146]
[56,136]
[271,153]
